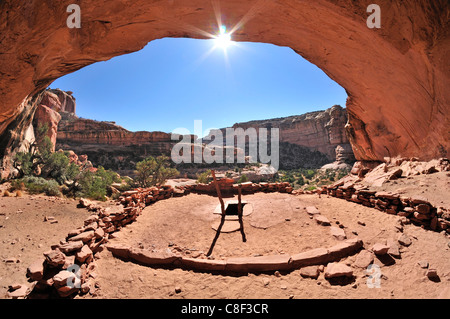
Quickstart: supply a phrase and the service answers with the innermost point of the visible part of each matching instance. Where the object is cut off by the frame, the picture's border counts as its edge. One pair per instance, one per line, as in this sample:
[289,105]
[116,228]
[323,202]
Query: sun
[223,40]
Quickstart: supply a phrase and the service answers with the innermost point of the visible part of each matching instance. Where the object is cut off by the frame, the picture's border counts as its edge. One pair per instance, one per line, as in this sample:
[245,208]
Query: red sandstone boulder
[334,270]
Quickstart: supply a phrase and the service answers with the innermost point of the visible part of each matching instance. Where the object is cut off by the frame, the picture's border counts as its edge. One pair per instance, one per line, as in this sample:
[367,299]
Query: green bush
[309,174]
[242,179]
[24,162]
[37,185]
[57,167]
[154,171]
[300,181]
[95,185]
[205,177]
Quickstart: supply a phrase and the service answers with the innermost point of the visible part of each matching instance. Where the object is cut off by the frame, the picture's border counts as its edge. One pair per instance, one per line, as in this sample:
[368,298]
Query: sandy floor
[184,224]
[25,235]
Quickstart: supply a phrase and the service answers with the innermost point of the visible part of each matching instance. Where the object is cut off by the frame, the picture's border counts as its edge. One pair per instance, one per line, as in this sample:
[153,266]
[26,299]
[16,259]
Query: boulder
[55,258]
[310,272]
[321,220]
[36,270]
[334,270]
[380,249]
[338,233]
[364,259]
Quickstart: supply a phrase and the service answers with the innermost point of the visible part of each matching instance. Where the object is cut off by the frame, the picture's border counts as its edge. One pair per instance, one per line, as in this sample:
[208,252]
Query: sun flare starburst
[223,40]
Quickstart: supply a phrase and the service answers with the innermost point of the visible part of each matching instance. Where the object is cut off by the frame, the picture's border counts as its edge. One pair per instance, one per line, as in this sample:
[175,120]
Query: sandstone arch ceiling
[397,77]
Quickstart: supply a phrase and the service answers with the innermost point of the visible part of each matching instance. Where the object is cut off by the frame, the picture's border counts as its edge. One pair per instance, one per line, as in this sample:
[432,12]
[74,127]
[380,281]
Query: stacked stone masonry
[416,210]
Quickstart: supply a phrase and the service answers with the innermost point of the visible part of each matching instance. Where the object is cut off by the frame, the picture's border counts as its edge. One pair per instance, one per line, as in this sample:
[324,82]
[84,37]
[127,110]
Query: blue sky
[172,82]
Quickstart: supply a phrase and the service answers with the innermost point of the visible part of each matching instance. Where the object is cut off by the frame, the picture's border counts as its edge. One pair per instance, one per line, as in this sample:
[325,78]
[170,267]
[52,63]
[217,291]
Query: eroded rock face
[320,131]
[47,113]
[309,140]
[397,77]
[108,144]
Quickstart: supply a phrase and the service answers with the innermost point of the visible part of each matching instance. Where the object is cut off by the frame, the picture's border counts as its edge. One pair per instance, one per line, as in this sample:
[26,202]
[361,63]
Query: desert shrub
[242,179]
[309,173]
[205,177]
[23,161]
[311,188]
[154,171]
[300,180]
[57,167]
[94,185]
[39,153]
[37,185]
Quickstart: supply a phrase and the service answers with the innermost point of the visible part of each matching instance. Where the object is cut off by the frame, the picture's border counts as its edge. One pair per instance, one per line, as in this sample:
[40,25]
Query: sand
[184,225]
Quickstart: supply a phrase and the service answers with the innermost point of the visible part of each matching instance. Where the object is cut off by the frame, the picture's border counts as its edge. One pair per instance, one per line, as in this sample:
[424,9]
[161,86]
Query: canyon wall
[396,77]
[309,140]
[110,145]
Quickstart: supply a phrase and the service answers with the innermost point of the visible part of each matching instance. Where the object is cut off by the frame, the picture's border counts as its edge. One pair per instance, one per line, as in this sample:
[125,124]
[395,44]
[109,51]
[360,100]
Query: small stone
[423,264]
[84,255]
[405,240]
[11,260]
[380,249]
[277,273]
[18,293]
[364,259]
[334,270]
[14,286]
[266,282]
[312,210]
[310,272]
[322,220]
[55,258]
[284,287]
[337,233]
[361,223]
[423,209]
[36,270]
[177,289]
[432,274]
[394,249]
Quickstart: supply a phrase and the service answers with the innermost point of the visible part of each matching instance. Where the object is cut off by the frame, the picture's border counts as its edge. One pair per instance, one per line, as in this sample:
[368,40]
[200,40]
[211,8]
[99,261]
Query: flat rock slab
[147,257]
[335,270]
[262,263]
[311,257]
[337,233]
[310,272]
[380,249]
[203,264]
[312,210]
[270,213]
[321,220]
[364,259]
